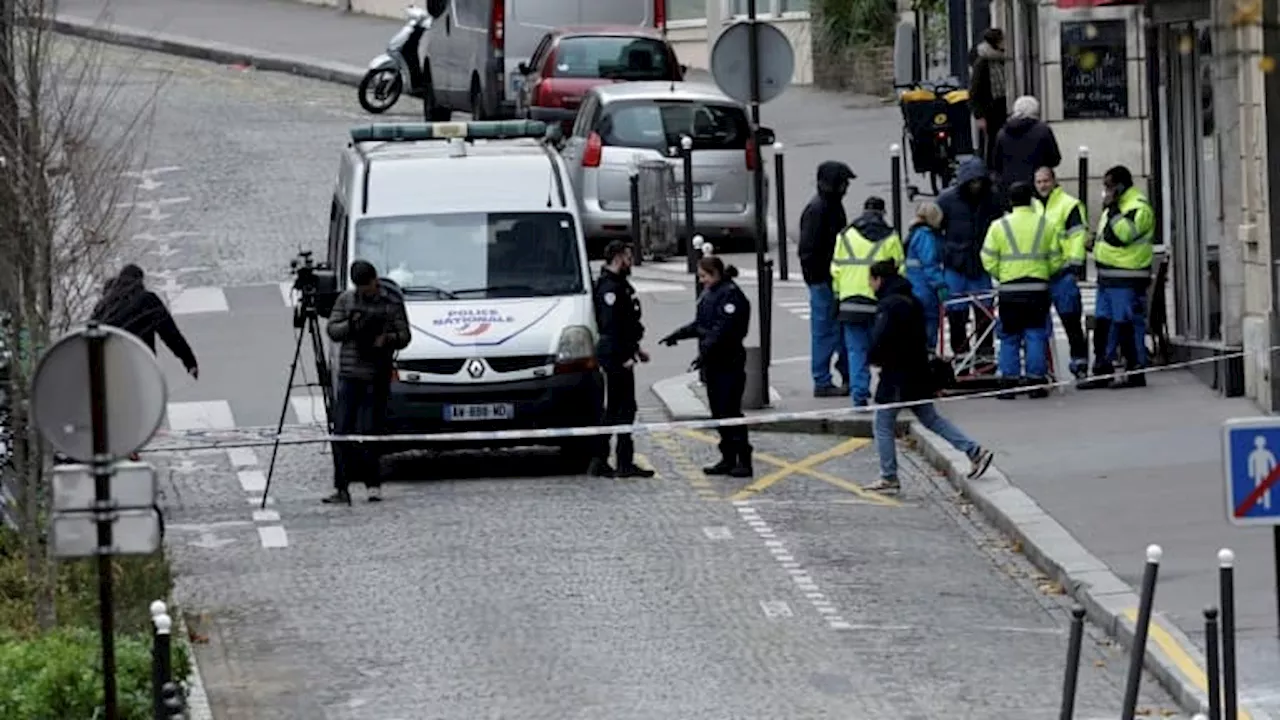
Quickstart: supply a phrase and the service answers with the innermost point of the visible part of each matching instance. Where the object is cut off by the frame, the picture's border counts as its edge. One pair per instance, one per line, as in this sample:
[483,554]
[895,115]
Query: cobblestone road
[501,588]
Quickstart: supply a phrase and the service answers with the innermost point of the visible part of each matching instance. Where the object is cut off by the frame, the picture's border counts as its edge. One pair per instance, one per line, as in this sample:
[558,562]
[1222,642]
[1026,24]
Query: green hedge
[58,675]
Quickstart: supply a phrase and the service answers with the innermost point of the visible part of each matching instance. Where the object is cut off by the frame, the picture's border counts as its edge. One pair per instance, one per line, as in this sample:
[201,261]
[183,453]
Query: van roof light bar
[482,130]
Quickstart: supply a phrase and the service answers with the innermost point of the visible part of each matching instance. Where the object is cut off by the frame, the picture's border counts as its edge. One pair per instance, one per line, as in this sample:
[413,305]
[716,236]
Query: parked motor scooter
[398,70]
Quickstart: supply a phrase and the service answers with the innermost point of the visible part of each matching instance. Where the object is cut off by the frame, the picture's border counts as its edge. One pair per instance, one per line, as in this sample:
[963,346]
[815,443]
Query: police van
[478,225]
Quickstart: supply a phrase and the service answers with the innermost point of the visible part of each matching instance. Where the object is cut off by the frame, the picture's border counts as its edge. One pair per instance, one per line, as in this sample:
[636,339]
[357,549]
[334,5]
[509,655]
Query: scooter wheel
[379,90]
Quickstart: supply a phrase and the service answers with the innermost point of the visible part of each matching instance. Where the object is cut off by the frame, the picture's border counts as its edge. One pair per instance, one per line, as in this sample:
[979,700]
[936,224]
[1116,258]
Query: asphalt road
[500,588]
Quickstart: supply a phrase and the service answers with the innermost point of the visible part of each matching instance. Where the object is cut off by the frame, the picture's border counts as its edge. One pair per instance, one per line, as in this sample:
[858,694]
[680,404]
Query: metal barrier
[655,231]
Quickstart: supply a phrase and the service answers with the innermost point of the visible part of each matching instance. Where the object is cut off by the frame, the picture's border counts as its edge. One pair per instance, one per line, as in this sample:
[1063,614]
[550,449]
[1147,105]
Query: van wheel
[431,110]
[477,101]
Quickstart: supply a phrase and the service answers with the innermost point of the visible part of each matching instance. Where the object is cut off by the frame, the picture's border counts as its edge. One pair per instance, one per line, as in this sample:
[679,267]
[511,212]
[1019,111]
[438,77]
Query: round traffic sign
[135,394]
[731,61]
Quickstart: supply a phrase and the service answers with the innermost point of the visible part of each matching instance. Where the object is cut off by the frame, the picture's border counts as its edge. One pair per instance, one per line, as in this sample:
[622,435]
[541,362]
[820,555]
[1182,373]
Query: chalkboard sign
[1095,75]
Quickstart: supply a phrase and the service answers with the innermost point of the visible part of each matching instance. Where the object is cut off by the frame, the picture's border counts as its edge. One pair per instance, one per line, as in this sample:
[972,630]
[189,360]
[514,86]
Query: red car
[570,61]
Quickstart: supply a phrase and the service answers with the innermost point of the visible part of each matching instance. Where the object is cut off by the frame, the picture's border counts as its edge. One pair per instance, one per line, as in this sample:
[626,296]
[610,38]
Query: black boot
[339,497]
[599,467]
[1099,379]
[742,467]
[721,468]
[631,470]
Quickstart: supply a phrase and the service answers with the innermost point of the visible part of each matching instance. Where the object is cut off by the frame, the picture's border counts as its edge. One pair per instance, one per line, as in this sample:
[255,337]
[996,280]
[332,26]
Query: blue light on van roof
[409,132]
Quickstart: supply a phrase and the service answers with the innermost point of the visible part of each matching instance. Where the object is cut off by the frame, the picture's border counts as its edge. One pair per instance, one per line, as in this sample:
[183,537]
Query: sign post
[1251,467]
[123,408]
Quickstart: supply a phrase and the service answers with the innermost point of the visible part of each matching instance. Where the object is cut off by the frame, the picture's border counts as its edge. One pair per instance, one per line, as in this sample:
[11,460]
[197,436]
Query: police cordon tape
[265,436]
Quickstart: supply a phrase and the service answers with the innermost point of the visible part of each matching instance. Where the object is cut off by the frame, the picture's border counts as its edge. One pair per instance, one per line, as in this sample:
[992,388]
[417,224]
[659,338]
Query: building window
[687,10]
[767,8]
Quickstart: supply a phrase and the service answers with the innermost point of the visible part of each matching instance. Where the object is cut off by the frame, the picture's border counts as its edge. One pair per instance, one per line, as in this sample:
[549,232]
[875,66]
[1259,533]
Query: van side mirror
[555,134]
[436,8]
[765,137]
[684,70]
[524,69]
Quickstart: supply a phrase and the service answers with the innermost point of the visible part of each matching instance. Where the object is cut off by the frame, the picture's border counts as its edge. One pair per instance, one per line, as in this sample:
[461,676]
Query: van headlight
[576,351]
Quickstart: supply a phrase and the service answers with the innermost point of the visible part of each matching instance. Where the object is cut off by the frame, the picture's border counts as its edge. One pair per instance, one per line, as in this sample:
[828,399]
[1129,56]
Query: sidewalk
[1086,480]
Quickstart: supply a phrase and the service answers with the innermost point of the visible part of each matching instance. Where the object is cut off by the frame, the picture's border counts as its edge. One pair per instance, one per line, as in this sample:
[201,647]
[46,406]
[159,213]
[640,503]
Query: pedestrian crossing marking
[202,415]
[309,409]
[192,301]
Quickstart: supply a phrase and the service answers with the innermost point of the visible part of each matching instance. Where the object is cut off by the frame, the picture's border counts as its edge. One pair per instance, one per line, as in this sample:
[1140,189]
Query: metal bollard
[895,186]
[173,704]
[779,181]
[1227,605]
[701,248]
[635,219]
[161,657]
[1083,170]
[1212,669]
[686,153]
[1073,664]
[766,330]
[1139,650]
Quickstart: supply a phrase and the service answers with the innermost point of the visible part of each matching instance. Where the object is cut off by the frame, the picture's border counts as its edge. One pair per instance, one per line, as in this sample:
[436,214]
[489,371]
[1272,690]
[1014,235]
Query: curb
[682,403]
[198,49]
[1109,602]
[197,701]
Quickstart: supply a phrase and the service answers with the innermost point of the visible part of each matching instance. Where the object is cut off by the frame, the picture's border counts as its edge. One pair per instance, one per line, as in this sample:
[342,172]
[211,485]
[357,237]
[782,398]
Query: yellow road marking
[685,467]
[788,470]
[644,462]
[803,467]
[1179,656]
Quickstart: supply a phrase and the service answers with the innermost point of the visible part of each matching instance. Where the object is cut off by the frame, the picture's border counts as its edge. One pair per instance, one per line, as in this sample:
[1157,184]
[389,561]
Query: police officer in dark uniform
[618,316]
[723,316]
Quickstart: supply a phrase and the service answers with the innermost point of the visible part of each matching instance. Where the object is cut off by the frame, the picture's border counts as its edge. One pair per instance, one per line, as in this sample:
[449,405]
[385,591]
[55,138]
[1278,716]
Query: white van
[475,47]
[478,225]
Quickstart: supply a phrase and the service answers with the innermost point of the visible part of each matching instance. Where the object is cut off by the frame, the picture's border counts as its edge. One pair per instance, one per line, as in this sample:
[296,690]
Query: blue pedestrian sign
[1250,452]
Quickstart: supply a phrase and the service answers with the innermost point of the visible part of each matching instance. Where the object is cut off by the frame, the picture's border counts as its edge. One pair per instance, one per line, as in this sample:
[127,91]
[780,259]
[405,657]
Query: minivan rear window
[618,57]
[659,125]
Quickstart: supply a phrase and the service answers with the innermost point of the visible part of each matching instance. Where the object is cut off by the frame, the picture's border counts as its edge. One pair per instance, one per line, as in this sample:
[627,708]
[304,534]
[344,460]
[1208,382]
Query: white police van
[478,225]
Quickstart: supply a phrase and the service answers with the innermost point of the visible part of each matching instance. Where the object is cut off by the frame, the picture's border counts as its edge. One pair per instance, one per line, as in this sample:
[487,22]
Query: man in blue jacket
[968,209]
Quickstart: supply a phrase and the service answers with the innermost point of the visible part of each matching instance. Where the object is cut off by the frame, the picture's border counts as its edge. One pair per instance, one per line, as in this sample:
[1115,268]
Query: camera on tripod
[317,286]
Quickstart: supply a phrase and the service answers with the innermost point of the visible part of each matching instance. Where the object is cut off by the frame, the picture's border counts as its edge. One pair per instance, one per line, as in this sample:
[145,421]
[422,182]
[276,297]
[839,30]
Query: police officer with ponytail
[723,316]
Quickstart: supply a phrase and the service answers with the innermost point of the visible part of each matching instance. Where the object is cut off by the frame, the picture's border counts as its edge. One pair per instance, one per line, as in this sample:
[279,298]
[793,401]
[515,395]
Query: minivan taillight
[753,157]
[660,14]
[498,30]
[595,149]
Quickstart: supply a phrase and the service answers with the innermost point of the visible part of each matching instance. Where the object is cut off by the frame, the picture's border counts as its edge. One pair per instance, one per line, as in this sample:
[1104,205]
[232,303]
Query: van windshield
[659,125]
[474,255]
[611,56]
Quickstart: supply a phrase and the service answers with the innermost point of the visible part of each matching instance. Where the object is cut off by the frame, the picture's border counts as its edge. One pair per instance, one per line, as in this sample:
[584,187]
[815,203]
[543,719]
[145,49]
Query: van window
[646,124]
[472,13]
[475,255]
[618,57]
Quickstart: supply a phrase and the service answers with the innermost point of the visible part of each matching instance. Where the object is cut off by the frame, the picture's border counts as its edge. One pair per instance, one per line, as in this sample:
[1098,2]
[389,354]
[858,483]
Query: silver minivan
[621,125]
[475,47]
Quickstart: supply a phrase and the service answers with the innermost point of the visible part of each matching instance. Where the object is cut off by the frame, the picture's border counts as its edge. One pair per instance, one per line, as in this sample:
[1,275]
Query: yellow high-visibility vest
[1021,249]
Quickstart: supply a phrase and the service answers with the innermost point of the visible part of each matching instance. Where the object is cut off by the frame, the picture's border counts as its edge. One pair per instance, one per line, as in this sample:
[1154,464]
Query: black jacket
[618,317]
[820,224]
[1023,145]
[899,345]
[965,219]
[132,308]
[723,316]
[356,321]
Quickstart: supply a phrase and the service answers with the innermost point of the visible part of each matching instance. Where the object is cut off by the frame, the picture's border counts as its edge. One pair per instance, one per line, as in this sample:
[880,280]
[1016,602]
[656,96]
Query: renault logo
[475,368]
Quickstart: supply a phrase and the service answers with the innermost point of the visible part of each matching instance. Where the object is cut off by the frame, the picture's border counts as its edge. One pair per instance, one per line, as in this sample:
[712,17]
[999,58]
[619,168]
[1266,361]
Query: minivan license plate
[700,191]
[489,411]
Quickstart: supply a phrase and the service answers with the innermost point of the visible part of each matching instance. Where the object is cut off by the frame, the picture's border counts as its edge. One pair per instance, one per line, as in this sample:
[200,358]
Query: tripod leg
[322,369]
[284,410]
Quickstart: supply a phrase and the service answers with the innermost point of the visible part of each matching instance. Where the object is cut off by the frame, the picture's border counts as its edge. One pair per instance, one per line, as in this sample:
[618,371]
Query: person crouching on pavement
[721,323]
[924,268]
[868,240]
[1021,251]
[897,348]
[618,349]
[821,222]
[371,324]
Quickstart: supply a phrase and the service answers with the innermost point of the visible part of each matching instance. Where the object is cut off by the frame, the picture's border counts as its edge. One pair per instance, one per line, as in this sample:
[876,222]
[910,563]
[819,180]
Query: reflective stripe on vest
[914,263]
[1023,286]
[1014,253]
[1104,271]
[1133,230]
[854,259]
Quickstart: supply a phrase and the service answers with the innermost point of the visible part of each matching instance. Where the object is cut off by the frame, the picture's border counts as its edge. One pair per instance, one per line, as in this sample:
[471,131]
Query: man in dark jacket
[898,349]
[822,220]
[1024,145]
[127,304]
[618,350]
[968,209]
[988,93]
[371,324]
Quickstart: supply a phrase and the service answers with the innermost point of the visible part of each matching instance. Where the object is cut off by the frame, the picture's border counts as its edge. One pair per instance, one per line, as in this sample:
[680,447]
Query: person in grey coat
[371,324]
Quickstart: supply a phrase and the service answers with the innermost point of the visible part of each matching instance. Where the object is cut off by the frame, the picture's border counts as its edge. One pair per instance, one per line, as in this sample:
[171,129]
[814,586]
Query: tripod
[306,320]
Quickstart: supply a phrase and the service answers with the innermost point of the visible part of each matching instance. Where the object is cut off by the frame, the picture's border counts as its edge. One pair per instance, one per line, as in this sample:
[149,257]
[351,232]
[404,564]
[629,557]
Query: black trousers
[619,409]
[725,385]
[359,409]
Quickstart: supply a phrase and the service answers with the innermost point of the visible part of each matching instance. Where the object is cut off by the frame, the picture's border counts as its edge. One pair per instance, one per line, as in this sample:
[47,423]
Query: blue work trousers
[1023,326]
[857,343]
[1064,290]
[825,338]
[960,286]
[1125,310]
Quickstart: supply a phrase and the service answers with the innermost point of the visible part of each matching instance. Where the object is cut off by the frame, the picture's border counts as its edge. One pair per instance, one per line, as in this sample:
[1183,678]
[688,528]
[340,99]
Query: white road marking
[252,481]
[717,533]
[205,527]
[147,176]
[839,625]
[273,536]
[201,415]
[308,409]
[775,608]
[153,207]
[265,516]
[242,457]
[196,300]
[256,500]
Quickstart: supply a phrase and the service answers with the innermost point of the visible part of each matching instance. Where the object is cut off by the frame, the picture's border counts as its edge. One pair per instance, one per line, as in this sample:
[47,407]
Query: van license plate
[491,411]
[701,191]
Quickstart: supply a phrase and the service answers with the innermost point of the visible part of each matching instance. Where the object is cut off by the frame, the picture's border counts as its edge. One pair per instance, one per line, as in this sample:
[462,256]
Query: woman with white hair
[1024,144]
